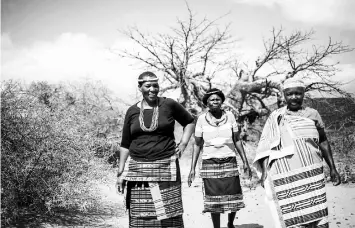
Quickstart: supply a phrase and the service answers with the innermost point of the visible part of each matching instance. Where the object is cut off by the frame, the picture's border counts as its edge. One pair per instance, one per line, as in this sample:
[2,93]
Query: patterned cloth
[222,195]
[160,170]
[153,193]
[167,199]
[295,186]
[175,222]
[157,201]
[219,168]
[221,185]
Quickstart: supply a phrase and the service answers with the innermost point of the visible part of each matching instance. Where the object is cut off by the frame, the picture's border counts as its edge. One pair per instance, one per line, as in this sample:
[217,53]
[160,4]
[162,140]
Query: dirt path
[341,202]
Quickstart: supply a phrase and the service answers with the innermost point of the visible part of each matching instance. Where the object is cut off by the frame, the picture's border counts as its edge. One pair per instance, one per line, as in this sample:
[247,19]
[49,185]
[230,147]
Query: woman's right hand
[262,179]
[191,177]
[120,183]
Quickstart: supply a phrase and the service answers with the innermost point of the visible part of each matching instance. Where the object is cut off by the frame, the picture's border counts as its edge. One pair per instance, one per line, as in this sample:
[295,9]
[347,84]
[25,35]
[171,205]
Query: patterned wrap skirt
[156,201]
[295,184]
[221,185]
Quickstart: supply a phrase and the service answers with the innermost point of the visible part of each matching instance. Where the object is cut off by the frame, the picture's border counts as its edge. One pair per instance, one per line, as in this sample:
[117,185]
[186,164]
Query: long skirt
[221,185]
[297,197]
[155,204]
[295,186]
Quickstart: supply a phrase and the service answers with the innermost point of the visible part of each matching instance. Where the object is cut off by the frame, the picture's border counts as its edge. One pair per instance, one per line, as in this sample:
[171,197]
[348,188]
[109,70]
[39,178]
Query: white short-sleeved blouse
[218,142]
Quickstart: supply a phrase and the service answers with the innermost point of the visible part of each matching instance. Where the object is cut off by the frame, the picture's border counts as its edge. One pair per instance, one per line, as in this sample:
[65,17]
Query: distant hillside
[335,112]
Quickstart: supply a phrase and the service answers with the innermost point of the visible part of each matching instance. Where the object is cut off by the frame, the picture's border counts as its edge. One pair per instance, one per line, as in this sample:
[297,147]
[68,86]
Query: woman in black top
[151,176]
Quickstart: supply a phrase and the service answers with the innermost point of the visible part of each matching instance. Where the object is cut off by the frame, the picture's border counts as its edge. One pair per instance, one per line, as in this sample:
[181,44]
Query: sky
[69,40]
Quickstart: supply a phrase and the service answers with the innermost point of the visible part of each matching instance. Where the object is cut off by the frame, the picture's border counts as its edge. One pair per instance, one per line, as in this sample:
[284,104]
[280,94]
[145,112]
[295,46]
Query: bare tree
[287,56]
[189,56]
[194,51]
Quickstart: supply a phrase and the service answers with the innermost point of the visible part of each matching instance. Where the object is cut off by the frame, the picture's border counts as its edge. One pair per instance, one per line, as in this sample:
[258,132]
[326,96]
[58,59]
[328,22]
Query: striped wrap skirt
[156,201]
[295,183]
[221,185]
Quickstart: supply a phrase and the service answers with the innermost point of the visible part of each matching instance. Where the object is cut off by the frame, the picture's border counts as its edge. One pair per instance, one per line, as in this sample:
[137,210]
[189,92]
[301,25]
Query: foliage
[47,136]
[339,118]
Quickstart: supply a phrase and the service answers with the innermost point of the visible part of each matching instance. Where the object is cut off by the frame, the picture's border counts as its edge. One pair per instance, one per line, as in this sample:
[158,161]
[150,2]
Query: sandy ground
[341,201]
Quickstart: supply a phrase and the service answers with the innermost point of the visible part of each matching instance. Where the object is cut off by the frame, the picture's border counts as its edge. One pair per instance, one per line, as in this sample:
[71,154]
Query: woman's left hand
[335,177]
[179,149]
[191,177]
[247,171]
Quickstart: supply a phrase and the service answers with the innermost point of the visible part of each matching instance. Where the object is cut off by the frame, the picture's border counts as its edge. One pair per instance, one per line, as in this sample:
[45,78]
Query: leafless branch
[193,50]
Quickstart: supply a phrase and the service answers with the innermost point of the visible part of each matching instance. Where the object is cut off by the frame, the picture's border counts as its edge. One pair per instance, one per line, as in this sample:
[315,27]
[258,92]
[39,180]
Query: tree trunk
[236,97]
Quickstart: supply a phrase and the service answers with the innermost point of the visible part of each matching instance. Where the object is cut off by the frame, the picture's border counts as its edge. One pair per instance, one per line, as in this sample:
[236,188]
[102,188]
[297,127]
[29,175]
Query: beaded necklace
[213,121]
[155,116]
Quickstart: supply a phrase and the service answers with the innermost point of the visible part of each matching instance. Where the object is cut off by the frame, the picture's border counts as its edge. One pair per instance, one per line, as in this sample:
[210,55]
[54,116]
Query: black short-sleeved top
[159,144]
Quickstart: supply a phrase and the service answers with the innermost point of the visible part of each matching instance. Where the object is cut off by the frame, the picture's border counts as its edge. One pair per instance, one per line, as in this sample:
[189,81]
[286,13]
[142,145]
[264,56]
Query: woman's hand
[247,171]
[120,183]
[191,177]
[124,152]
[328,157]
[335,177]
[262,179]
[180,148]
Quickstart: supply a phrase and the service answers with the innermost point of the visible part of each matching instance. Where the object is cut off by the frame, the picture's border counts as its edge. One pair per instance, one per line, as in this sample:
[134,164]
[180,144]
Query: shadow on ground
[252,225]
[67,219]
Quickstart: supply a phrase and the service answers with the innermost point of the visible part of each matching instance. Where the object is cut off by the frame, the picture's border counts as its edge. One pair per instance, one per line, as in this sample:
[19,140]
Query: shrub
[46,144]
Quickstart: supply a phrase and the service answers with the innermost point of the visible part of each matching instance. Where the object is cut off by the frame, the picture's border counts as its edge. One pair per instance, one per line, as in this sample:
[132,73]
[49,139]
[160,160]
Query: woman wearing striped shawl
[151,177]
[217,132]
[289,161]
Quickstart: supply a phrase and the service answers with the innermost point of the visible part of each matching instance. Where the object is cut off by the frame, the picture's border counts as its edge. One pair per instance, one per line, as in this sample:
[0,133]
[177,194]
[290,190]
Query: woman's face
[214,102]
[150,90]
[294,98]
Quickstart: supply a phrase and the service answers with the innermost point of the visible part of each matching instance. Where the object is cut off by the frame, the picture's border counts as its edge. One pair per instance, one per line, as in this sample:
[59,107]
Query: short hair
[210,92]
[146,74]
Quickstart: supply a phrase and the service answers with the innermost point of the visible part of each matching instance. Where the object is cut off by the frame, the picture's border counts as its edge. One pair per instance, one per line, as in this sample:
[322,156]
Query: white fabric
[292,83]
[218,142]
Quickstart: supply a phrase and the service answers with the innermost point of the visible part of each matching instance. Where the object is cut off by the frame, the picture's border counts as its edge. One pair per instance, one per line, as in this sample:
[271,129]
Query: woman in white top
[217,132]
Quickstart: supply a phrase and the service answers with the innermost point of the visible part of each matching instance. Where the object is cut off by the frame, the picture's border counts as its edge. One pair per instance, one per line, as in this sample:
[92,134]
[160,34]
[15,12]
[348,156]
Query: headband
[148,79]
[213,92]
